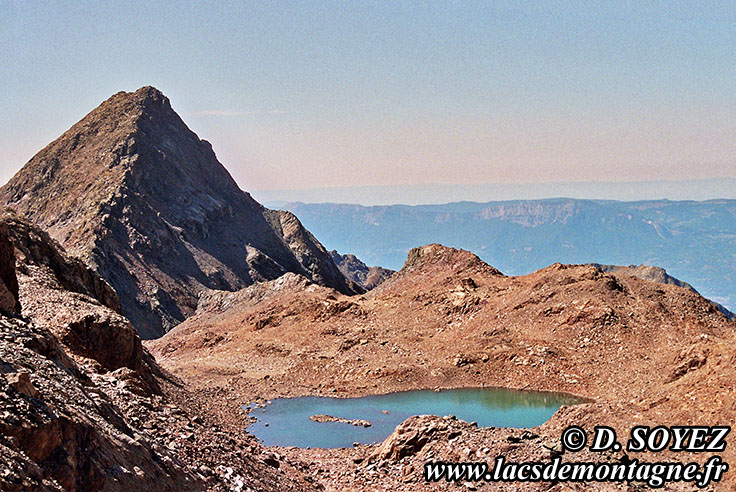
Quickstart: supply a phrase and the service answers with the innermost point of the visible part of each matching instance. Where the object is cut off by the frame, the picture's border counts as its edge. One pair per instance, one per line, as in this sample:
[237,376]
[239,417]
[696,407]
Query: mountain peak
[149,91]
[132,143]
[145,97]
[131,189]
[120,113]
[431,255]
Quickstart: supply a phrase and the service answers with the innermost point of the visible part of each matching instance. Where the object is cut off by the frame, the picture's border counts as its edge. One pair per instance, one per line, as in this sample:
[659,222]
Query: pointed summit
[132,190]
[145,97]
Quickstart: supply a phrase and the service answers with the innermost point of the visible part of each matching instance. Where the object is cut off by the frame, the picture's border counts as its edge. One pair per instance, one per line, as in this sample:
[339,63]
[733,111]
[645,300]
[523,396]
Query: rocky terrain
[137,195]
[643,352]
[651,273]
[360,273]
[84,407]
[656,274]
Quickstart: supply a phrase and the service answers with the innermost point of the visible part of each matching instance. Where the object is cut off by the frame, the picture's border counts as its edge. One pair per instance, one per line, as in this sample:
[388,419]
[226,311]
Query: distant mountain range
[693,241]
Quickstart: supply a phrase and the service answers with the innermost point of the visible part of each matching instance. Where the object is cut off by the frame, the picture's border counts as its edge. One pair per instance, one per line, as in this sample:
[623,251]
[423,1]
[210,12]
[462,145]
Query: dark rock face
[8,280]
[36,247]
[139,196]
[357,271]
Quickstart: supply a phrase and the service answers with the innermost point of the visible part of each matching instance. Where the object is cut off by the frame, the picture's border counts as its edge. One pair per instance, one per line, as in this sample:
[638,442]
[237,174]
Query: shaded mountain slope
[84,405]
[134,192]
[360,273]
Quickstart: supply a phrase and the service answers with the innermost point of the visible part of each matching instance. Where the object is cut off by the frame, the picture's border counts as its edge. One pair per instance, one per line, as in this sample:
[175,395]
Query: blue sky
[317,94]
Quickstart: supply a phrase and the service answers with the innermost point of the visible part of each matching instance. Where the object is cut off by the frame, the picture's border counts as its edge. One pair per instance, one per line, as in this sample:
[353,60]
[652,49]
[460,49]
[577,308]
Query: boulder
[413,434]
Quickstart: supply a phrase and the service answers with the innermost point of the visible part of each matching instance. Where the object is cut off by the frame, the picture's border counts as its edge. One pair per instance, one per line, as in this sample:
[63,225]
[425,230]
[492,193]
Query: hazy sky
[316,94]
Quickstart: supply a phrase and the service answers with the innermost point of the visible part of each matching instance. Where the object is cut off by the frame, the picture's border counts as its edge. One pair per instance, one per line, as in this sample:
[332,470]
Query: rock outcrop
[429,265]
[360,273]
[8,279]
[658,275]
[63,295]
[66,429]
[139,196]
[439,256]
[412,435]
[647,272]
[71,436]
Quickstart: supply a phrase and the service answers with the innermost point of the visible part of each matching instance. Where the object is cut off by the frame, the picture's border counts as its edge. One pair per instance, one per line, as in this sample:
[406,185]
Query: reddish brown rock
[65,425]
[412,435]
[643,352]
[60,293]
[21,381]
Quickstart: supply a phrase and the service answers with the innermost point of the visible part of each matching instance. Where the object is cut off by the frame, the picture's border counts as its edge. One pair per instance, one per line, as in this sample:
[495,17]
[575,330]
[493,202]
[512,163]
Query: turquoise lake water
[289,423]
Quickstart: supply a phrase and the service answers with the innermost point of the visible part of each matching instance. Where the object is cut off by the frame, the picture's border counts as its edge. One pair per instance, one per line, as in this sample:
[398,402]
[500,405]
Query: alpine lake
[324,422]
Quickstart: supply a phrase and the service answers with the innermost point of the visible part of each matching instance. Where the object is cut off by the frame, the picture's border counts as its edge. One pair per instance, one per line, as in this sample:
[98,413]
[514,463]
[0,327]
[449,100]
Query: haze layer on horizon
[433,194]
[360,96]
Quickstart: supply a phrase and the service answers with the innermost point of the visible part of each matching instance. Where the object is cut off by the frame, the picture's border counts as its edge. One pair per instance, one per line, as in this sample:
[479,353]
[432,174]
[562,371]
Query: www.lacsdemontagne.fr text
[654,474]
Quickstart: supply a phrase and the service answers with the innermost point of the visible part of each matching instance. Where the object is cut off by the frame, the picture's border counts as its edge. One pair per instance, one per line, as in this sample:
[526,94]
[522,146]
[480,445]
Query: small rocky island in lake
[330,418]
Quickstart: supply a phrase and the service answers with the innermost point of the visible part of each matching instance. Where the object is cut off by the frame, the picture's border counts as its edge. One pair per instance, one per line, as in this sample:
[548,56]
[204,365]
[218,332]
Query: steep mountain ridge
[136,194]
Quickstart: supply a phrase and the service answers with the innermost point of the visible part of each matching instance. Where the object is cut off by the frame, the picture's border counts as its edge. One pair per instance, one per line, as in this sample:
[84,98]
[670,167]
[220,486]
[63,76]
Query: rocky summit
[136,194]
